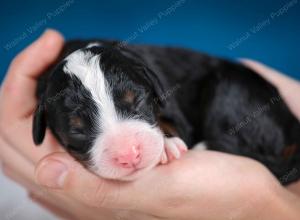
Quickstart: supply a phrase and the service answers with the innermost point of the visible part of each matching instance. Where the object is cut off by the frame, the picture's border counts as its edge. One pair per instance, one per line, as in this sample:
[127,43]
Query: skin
[219,186]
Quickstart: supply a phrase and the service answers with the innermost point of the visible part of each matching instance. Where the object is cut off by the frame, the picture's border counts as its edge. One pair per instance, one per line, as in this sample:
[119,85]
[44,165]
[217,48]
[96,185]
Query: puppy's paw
[174,147]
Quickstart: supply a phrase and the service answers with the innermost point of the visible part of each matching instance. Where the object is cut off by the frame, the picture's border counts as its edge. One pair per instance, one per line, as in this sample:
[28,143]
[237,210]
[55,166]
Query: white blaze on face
[126,147]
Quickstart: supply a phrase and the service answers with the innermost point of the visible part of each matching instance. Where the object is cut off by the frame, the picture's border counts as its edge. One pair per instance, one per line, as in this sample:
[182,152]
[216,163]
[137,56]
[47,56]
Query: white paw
[200,146]
[174,147]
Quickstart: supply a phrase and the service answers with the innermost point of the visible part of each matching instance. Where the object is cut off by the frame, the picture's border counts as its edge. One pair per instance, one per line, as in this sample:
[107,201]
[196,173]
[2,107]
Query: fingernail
[52,174]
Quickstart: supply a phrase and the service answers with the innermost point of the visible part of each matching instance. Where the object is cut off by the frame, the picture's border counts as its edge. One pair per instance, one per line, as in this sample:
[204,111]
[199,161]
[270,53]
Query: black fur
[225,104]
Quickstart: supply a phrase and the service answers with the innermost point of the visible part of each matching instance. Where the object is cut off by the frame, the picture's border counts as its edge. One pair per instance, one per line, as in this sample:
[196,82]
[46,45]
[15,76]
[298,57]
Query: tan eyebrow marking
[76,122]
[129,96]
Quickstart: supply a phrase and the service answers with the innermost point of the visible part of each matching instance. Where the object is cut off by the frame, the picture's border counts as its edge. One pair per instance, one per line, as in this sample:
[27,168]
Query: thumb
[61,173]
[19,87]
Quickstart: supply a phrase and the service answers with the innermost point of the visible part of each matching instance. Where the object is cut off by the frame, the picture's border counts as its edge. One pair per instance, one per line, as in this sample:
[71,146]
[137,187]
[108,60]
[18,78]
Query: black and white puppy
[121,110]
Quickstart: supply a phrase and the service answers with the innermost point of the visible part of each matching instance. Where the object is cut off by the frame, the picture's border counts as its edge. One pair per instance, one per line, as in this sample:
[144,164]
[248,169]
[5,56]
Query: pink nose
[128,159]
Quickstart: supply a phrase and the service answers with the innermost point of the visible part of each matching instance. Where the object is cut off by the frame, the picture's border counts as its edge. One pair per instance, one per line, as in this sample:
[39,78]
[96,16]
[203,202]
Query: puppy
[121,110]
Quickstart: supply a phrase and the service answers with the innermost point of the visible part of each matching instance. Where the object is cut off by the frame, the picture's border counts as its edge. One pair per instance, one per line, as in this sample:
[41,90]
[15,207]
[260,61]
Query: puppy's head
[102,105]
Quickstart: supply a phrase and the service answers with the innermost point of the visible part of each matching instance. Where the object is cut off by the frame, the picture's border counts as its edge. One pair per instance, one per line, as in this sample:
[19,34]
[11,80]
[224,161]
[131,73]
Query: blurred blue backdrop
[268,31]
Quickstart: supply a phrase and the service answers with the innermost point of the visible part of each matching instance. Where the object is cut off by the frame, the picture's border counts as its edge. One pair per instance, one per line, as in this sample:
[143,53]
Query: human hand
[18,154]
[202,185]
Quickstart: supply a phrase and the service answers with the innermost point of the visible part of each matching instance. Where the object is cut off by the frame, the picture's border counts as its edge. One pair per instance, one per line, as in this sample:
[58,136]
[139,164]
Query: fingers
[24,143]
[49,200]
[16,161]
[60,172]
[78,212]
[18,178]
[18,89]
[272,75]
[52,207]
[288,88]
[20,170]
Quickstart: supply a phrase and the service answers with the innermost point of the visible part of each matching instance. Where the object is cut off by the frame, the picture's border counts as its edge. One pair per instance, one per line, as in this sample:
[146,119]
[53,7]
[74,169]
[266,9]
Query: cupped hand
[201,185]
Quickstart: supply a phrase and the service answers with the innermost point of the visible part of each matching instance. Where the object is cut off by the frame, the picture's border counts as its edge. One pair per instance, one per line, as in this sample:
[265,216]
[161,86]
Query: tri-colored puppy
[121,110]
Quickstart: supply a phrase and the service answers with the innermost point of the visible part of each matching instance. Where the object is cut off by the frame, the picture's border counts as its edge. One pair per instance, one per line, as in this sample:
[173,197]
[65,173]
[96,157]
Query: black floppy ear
[39,123]
[157,85]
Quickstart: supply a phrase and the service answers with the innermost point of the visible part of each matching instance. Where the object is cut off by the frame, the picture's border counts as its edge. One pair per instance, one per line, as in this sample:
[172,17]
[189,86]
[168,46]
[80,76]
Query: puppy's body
[191,95]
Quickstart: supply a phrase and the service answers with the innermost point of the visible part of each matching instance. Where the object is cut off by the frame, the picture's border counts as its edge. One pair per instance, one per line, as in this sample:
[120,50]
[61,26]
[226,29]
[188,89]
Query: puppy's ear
[157,85]
[39,123]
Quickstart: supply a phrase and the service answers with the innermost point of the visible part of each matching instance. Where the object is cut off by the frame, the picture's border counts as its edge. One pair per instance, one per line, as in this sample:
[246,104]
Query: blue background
[209,26]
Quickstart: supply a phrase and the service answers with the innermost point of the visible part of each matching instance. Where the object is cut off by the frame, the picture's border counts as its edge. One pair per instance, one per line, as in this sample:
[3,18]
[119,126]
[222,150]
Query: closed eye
[77,135]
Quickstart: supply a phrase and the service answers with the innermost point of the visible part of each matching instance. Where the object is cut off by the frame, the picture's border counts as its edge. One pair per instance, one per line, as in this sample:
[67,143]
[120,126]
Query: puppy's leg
[174,147]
